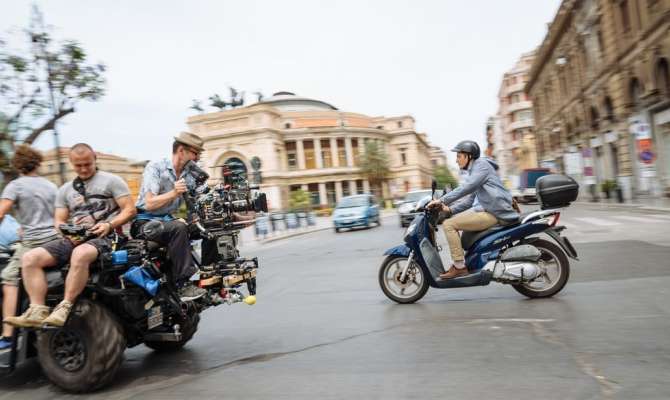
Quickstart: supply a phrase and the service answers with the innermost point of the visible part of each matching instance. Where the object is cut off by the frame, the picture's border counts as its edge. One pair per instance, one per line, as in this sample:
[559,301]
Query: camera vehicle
[130,298]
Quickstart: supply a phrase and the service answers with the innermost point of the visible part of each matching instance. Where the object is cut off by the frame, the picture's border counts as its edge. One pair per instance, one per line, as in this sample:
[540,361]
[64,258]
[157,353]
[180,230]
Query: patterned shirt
[159,178]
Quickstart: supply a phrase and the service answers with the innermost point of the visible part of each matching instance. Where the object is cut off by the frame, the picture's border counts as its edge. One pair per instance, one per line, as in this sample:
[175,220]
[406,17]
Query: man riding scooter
[494,203]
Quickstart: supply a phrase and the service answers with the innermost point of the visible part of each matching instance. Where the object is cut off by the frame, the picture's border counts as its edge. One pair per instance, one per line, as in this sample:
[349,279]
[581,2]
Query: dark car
[406,207]
[526,191]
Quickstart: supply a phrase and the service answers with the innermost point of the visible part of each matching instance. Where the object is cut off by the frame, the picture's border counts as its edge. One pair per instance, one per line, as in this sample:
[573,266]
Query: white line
[666,217]
[598,221]
[640,219]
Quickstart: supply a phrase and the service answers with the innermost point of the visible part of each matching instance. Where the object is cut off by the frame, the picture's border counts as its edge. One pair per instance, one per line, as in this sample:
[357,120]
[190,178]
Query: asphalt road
[323,329]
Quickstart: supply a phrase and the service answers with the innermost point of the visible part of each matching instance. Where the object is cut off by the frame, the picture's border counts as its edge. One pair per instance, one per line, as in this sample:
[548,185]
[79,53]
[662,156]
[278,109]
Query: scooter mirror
[433,185]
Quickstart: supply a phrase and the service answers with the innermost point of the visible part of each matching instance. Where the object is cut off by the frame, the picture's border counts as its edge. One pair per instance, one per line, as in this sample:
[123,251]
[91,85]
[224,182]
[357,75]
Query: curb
[627,206]
[305,232]
[293,234]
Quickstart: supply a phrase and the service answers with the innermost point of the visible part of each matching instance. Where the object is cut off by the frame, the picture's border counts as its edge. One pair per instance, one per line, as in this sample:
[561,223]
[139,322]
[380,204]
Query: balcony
[517,87]
[526,123]
[520,105]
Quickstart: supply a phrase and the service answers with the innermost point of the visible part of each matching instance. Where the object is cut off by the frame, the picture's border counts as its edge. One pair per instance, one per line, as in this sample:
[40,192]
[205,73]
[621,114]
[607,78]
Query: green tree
[40,84]
[443,177]
[299,200]
[374,164]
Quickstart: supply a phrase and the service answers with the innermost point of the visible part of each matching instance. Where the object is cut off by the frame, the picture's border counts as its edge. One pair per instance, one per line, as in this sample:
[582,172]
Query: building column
[323,195]
[304,187]
[300,149]
[366,186]
[338,191]
[352,187]
[385,191]
[349,152]
[317,153]
[333,152]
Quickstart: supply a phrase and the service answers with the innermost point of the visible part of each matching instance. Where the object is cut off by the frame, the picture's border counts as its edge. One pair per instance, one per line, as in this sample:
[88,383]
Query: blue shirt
[481,182]
[9,231]
[159,178]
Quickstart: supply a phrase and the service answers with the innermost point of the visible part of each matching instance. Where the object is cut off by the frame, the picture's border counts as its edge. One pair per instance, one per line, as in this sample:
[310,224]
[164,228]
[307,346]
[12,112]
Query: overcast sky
[440,61]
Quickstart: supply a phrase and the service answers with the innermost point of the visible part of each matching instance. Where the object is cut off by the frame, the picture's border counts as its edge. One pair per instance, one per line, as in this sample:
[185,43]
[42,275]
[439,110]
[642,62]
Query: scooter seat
[470,238]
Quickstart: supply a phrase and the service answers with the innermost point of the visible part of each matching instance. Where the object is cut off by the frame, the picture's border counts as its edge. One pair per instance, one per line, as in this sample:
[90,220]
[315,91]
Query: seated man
[32,197]
[164,183]
[481,182]
[97,200]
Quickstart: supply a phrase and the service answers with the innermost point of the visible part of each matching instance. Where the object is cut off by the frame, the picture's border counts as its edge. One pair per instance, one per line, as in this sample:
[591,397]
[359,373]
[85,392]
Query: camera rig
[216,212]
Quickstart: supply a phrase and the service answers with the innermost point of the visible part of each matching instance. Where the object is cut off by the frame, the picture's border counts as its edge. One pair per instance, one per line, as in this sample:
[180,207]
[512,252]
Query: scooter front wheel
[404,291]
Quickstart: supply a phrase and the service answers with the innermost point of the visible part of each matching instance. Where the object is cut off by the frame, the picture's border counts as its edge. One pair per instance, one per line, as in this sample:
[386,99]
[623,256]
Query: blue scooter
[510,254]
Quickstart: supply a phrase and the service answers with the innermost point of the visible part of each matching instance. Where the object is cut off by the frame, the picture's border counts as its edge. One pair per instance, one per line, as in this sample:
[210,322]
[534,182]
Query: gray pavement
[323,329]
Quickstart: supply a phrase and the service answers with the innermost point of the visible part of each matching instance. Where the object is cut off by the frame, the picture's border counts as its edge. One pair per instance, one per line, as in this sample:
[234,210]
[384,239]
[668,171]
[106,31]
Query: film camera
[215,206]
[78,233]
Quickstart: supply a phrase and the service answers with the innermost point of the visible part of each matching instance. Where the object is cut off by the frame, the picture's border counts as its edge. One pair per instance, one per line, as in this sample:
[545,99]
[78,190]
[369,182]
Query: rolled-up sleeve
[477,177]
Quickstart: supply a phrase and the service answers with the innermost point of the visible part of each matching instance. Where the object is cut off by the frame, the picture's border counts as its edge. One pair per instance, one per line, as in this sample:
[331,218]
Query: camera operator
[164,183]
[96,200]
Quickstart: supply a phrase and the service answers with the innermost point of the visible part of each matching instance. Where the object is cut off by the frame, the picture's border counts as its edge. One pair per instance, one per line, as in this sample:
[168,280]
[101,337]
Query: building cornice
[553,37]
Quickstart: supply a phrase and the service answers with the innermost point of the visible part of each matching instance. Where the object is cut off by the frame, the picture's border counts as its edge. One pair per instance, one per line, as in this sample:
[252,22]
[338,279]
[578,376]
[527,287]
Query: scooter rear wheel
[411,289]
[556,271]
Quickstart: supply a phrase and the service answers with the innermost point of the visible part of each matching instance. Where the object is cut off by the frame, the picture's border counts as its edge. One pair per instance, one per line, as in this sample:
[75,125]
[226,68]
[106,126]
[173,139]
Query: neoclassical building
[308,144]
[600,85]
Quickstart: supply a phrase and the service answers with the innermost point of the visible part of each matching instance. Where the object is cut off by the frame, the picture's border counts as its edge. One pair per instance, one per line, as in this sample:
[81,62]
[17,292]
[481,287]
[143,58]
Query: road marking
[598,221]
[639,219]
[667,217]
[527,320]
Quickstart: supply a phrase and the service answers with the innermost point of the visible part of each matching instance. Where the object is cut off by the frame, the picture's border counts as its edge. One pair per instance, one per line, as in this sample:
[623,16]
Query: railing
[279,222]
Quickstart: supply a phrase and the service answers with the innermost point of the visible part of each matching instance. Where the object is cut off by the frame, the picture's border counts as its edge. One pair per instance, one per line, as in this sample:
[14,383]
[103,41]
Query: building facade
[516,150]
[601,90]
[129,170]
[302,143]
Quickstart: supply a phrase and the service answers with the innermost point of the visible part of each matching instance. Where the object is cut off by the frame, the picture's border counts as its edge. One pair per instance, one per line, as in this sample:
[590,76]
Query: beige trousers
[465,221]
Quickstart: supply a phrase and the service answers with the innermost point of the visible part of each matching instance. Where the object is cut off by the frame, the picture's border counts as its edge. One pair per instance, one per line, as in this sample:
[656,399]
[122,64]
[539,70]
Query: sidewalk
[646,204]
[248,237]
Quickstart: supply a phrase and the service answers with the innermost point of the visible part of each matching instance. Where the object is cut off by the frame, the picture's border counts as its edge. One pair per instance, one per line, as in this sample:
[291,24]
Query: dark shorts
[61,249]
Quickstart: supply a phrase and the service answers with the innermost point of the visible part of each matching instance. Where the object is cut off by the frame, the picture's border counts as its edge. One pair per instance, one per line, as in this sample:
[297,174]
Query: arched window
[663,76]
[595,118]
[236,165]
[609,109]
[635,92]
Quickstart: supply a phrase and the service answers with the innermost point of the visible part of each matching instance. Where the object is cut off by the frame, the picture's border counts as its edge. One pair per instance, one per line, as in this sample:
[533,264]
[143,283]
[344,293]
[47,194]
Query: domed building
[301,143]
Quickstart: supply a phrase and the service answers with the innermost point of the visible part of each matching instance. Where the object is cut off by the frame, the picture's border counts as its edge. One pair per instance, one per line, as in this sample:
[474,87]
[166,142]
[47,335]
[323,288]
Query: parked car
[408,204]
[357,210]
[526,191]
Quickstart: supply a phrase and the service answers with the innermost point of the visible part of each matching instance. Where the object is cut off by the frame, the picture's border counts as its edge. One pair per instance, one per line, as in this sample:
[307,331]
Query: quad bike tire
[186,334]
[86,353]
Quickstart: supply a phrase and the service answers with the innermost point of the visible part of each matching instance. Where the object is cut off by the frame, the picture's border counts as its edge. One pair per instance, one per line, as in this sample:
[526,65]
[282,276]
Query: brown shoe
[59,315]
[454,273]
[32,318]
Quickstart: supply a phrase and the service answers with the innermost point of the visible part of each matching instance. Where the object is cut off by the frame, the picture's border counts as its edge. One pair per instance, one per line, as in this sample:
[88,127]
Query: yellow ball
[251,300]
